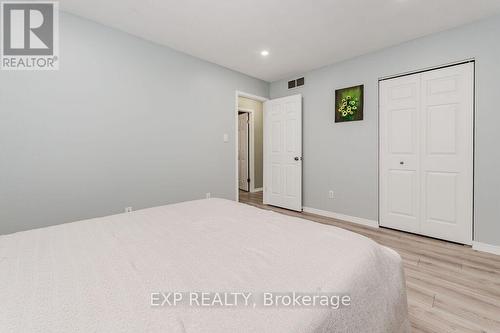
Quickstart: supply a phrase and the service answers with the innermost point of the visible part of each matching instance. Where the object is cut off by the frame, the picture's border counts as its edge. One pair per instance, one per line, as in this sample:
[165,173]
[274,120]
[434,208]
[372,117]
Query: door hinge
[248,180]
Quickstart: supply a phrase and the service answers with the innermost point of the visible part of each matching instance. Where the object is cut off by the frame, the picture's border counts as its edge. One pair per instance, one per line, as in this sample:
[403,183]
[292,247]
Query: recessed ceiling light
[264,53]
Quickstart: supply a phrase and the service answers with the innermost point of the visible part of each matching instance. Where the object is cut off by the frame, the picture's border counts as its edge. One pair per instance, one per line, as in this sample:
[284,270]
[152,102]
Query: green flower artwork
[349,104]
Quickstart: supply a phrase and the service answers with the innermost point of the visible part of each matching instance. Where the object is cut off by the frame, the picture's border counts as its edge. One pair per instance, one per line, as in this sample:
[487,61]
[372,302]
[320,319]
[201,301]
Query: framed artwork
[349,104]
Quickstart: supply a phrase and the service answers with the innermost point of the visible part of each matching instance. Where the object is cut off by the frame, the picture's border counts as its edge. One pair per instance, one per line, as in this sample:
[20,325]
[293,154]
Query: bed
[103,274]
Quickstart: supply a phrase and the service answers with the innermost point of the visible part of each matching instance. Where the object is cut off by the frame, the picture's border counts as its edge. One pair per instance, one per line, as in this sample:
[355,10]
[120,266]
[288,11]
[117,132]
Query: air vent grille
[296,83]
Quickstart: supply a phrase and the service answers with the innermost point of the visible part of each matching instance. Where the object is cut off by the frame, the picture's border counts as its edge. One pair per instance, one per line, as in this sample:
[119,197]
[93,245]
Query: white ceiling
[300,34]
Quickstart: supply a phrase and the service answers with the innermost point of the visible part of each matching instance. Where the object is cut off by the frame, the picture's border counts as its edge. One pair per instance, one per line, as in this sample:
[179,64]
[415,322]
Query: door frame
[427,69]
[238,109]
[250,148]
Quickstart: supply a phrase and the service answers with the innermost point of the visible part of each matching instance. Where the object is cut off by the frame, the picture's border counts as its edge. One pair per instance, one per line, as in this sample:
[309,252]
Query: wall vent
[296,83]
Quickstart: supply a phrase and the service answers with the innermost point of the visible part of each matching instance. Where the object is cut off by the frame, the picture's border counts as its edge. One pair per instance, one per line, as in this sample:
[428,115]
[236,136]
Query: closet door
[399,153]
[447,153]
[426,153]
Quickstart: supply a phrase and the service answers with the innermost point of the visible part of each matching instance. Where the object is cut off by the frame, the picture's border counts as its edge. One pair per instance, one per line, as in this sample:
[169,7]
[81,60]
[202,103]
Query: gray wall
[124,122]
[343,157]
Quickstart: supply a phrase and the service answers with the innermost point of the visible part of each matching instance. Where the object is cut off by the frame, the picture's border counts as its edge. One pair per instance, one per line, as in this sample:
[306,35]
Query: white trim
[256,98]
[347,218]
[260,189]
[427,69]
[483,247]
[250,96]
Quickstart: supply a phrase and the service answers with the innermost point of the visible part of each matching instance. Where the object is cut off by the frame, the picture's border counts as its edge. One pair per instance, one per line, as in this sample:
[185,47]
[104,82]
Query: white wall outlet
[208,195]
[330,194]
[128,209]
[226,138]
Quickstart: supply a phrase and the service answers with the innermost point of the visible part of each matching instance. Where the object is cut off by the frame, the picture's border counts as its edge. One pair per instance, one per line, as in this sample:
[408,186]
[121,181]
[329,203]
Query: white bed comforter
[98,275]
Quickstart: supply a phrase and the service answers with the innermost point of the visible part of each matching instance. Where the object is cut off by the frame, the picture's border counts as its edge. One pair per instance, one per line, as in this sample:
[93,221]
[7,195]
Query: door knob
[401,162]
[297,158]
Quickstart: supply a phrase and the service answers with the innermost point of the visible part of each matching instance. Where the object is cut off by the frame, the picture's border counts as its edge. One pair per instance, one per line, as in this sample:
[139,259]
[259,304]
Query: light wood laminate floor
[451,288]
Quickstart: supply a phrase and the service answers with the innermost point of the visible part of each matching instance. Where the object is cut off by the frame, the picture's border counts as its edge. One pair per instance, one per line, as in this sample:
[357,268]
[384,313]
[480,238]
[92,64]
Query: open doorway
[275,151]
[249,143]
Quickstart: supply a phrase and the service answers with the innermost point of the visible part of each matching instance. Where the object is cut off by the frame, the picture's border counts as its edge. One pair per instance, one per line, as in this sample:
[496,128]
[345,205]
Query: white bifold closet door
[426,153]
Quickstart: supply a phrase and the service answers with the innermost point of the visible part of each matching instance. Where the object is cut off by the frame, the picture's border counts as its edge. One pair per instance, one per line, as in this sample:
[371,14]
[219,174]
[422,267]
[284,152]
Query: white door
[283,152]
[426,153]
[447,162]
[400,153]
[243,151]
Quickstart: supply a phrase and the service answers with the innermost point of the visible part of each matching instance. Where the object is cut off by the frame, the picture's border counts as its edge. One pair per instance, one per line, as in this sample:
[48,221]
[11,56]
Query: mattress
[115,273]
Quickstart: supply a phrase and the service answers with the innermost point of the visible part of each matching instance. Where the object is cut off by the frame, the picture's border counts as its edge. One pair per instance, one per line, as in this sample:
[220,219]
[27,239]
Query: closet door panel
[447,153]
[399,153]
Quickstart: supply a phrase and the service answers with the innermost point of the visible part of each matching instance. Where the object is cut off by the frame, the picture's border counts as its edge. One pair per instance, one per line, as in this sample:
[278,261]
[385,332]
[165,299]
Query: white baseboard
[347,218]
[483,247]
[260,189]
